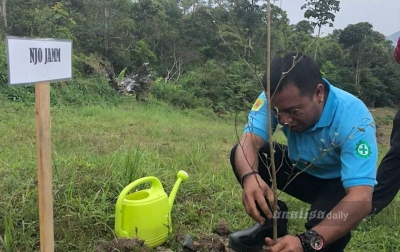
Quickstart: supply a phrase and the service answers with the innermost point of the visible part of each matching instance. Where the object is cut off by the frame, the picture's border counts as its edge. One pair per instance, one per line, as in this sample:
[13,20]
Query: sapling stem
[271,147]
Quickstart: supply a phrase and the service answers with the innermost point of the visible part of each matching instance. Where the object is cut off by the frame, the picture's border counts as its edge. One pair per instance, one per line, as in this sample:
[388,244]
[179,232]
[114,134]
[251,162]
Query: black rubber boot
[252,239]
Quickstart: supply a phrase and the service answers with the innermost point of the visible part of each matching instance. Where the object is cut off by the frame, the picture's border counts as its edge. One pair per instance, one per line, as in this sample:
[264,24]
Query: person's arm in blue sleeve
[254,137]
[359,153]
[257,120]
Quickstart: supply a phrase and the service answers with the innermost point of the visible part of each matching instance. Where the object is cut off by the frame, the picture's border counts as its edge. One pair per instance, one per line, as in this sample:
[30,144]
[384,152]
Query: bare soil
[215,242]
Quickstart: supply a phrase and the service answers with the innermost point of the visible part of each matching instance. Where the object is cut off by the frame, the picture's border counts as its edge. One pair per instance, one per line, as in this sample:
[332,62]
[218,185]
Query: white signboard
[38,60]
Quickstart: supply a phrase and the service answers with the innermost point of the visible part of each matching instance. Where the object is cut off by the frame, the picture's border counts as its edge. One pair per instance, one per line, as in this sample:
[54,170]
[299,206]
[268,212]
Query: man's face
[296,111]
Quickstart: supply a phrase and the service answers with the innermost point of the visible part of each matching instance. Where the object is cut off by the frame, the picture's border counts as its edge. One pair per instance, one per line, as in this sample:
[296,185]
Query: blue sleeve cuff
[359,182]
[257,132]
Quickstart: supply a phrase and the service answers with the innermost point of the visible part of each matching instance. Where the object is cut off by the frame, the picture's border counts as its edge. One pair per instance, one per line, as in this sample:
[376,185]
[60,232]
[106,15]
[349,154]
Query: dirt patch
[208,242]
[215,242]
[222,228]
[384,119]
[123,245]
[383,135]
[127,245]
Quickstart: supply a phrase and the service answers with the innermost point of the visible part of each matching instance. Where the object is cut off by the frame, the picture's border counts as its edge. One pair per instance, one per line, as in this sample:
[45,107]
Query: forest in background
[202,53]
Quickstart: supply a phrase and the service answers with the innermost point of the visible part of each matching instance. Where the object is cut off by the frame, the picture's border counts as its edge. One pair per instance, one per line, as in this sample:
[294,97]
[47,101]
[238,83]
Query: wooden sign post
[40,61]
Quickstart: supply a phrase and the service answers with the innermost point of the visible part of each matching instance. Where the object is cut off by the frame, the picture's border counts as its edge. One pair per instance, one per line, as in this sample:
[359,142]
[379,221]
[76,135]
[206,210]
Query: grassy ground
[97,151]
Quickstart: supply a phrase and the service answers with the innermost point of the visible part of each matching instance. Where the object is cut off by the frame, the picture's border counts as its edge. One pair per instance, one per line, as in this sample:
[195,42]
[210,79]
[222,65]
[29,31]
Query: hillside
[394,37]
[97,150]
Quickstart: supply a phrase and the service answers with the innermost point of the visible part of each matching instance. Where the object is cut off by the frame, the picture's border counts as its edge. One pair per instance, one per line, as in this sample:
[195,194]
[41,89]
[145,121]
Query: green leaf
[121,75]
[361,129]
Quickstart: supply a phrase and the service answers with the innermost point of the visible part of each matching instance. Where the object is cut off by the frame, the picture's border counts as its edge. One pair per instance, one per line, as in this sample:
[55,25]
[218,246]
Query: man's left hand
[287,243]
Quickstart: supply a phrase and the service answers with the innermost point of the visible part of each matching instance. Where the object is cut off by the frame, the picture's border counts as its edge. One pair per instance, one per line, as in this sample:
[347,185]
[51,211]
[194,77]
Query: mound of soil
[215,242]
[123,245]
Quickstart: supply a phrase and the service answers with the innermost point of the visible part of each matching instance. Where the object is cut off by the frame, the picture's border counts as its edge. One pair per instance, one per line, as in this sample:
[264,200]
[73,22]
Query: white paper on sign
[37,60]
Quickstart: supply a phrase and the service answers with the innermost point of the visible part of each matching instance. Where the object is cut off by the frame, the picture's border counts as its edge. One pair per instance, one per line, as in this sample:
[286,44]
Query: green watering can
[146,214]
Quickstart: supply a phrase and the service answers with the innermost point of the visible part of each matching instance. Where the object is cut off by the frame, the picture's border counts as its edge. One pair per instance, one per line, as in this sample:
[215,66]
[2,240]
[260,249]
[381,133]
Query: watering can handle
[155,185]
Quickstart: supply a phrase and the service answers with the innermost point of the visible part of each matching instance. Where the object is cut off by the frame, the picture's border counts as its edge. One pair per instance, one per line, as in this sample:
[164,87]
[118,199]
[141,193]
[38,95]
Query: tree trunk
[105,32]
[4,12]
[358,72]
[316,48]
[268,95]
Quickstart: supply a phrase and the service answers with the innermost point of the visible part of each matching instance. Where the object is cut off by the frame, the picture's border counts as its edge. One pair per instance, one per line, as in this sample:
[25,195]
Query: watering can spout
[182,177]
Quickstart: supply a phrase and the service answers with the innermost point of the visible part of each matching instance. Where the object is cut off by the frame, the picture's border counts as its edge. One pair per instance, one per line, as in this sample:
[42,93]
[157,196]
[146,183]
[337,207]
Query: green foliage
[7,241]
[23,94]
[121,75]
[84,92]
[214,86]
[174,94]
[106,28]
[322,11]
[77,92]
[330,72]
[3,65]
[143,53]
[373,88]
[305,27]
[53,22]
[211,55]
[301,42]
[88,65]
[367,55]
[355,34]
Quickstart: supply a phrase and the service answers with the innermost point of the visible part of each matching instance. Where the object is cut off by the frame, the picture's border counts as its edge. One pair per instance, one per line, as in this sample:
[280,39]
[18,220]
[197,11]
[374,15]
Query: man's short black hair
[295,69]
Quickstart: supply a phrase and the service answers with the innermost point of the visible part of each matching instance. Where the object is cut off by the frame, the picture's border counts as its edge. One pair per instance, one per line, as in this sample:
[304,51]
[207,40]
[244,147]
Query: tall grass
[98,150]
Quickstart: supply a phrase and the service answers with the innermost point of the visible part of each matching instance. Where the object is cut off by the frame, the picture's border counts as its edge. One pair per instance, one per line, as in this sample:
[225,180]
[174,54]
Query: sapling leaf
[361,129]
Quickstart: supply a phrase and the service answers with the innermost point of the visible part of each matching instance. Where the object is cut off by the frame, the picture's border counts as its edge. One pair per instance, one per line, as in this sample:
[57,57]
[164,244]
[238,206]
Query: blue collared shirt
[342,144]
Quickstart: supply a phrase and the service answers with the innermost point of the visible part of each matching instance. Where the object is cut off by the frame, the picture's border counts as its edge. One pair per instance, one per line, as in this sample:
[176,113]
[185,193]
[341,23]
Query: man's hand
[256,190]
[287,243]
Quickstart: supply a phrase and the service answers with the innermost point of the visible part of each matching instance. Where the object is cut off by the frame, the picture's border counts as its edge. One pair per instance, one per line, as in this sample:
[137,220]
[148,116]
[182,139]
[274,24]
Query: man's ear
[320,93]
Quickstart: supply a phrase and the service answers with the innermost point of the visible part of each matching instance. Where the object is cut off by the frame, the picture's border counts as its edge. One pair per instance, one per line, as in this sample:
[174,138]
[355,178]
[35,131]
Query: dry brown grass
[384,119]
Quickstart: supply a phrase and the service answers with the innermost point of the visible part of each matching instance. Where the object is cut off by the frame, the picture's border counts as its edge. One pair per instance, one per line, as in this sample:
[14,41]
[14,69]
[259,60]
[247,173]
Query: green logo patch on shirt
[363,150]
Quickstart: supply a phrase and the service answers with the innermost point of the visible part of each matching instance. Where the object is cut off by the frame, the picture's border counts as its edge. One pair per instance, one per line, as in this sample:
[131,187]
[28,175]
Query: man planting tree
[329,162]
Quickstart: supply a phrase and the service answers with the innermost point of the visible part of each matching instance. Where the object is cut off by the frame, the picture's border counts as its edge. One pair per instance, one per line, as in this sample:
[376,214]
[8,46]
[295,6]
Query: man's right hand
[256,190]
